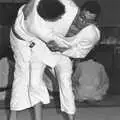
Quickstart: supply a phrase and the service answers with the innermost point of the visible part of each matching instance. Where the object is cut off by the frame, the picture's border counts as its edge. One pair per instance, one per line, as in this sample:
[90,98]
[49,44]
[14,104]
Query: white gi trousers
[29,88]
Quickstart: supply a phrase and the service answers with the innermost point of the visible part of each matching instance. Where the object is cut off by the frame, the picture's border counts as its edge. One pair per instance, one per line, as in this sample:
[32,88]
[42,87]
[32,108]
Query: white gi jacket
[35,29]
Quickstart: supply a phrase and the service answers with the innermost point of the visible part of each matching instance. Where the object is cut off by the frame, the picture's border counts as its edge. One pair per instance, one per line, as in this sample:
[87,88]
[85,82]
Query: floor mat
[108,101]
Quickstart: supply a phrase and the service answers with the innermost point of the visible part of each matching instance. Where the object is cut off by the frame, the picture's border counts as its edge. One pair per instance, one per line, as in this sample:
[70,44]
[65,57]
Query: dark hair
[92,6]
[50,9]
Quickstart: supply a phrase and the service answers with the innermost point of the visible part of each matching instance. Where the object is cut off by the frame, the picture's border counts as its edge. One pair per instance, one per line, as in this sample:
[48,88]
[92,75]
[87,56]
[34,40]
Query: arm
[85,41]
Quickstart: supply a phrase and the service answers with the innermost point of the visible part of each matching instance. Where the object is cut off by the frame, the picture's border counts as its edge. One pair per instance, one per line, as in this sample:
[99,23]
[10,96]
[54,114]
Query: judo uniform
[28,87]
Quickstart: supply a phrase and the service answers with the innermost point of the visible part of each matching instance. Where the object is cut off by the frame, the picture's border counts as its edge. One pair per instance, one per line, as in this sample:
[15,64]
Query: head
[50,10]
[91,10]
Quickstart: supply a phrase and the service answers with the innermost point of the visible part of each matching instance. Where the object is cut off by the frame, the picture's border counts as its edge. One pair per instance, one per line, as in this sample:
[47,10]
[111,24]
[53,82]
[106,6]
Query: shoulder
[92,31]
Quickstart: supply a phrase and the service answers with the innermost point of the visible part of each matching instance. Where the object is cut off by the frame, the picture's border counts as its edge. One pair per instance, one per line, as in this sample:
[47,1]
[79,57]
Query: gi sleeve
[84,41]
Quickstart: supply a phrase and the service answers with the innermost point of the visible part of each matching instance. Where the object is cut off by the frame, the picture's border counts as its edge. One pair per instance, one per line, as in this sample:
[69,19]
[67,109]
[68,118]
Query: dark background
[110,12]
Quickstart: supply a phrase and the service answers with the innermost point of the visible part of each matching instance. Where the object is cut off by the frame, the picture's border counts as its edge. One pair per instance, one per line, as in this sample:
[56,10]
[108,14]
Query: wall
[110,12]
[5,1]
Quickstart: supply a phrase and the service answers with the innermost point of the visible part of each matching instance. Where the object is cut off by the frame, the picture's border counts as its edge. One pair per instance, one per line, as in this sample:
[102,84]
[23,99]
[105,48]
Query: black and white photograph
[59,60]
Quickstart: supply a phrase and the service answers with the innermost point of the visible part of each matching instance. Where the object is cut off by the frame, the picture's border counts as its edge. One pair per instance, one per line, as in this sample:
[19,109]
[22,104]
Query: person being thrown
[40,38]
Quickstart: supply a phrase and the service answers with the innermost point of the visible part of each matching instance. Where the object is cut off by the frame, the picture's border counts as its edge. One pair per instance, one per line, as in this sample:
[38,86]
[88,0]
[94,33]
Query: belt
[32,44]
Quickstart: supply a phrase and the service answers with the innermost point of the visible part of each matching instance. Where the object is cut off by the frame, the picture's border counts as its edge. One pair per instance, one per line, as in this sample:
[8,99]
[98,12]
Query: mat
[108,101]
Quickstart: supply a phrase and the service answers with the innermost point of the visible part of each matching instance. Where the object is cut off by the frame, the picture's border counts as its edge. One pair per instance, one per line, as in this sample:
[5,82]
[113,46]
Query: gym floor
[87,113]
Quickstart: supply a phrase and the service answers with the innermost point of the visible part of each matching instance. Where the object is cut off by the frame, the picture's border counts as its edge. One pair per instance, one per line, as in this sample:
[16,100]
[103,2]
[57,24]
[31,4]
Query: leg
[29,92]
[28,87]
[12,115]
[38,111]
[38,89]
[64,72]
